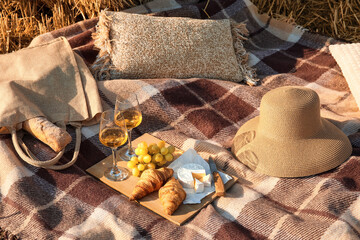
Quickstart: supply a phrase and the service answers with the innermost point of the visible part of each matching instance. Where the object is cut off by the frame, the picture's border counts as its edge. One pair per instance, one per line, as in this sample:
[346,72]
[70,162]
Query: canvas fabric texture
[205,115]
[46,80]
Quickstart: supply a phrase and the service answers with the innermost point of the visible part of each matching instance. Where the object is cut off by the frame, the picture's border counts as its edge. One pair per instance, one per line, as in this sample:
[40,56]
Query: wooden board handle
[219,185]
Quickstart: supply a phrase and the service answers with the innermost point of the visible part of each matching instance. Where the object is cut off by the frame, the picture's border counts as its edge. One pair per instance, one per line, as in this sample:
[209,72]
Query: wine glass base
[118,174]
[125,155]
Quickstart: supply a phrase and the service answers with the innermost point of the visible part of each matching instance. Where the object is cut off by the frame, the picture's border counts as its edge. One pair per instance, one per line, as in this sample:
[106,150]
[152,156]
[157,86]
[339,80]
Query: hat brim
[291,157]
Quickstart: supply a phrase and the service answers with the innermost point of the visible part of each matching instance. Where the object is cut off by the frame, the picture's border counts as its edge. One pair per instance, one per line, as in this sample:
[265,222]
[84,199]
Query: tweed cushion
[134,46]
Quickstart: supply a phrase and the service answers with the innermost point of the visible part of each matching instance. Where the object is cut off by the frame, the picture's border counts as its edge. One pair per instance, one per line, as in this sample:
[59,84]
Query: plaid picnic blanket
[203,114]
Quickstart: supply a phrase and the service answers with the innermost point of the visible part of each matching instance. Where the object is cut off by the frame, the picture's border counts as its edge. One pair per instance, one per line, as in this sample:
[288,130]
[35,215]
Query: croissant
[171,195]
[150,181]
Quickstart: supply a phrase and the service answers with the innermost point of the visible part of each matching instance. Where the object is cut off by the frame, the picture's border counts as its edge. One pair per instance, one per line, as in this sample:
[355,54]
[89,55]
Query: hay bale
[22,20]
[337,19]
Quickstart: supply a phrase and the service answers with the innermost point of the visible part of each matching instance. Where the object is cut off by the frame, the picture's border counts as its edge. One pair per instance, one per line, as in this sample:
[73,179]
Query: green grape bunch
[150,157]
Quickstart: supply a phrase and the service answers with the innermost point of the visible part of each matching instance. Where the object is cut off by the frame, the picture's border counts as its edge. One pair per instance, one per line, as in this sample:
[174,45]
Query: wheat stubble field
[22,20]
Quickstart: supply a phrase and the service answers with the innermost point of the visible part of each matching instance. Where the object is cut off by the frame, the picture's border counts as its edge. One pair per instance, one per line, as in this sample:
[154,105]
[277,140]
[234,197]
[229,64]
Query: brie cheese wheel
[185,174]
[206,180]
[198,186]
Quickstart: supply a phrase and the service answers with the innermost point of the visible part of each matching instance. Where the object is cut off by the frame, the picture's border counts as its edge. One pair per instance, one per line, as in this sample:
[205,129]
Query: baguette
[47,132]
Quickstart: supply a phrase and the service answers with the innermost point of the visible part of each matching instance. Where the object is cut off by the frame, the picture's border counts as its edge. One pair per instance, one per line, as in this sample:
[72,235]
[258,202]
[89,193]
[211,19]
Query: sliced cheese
[198,186]
[185,174]
[198,174]
[206,180]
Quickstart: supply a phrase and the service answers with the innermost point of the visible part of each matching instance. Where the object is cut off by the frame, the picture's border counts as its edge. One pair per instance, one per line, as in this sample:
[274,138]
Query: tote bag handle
[31,159]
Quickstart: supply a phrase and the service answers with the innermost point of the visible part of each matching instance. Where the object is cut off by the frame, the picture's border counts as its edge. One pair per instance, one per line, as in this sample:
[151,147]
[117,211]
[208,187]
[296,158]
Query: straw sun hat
[289,138]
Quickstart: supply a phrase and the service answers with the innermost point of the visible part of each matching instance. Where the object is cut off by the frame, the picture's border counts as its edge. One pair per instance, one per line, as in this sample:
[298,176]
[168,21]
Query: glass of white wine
[127,106]
[113,135]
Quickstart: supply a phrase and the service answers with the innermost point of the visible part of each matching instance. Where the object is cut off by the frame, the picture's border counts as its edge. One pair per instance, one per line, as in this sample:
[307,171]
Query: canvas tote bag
[48,80]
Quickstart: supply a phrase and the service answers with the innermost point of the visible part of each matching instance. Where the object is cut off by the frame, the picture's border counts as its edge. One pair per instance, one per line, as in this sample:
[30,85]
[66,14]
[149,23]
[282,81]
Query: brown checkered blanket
[203,114]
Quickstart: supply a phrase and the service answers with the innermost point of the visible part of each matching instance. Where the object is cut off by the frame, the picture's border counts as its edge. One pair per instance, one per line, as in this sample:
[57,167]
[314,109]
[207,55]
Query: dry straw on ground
[338,19]
[21,20]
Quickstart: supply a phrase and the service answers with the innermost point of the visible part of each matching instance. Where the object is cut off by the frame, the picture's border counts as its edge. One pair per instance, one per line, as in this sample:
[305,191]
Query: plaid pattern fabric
[203,114]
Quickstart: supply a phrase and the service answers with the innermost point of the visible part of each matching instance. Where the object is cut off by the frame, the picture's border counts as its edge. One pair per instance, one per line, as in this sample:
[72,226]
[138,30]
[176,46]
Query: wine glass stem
[115,168]
[130,149]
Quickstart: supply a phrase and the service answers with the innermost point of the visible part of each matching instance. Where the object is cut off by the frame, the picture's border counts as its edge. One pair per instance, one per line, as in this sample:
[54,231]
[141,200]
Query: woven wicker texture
[141,46]
[289,138]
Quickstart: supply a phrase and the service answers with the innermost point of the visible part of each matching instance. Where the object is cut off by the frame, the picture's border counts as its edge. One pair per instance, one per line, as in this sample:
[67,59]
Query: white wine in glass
[127,106]
[113,135]
[133,118]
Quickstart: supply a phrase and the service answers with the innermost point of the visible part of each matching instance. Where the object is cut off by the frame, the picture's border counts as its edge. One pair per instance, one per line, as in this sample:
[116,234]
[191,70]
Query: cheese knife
[219,185]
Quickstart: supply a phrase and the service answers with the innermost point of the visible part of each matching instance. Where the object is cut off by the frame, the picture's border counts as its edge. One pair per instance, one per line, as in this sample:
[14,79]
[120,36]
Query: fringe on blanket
[239,33]
[6,235]
[103,68]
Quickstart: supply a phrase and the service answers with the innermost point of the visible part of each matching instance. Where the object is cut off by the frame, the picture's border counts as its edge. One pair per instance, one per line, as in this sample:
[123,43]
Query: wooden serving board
[152,202]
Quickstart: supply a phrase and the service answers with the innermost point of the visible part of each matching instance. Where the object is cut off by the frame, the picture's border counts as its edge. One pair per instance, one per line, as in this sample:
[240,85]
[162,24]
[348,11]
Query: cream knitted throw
[348,58]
